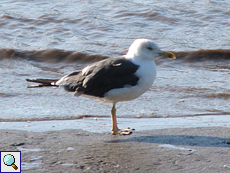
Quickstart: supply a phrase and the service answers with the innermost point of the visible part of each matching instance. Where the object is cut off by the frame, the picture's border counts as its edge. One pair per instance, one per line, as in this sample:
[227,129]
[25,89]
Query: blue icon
[9,160]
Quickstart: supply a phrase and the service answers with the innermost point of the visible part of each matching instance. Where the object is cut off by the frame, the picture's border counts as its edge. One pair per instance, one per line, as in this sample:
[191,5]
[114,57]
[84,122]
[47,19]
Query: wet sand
[201,149]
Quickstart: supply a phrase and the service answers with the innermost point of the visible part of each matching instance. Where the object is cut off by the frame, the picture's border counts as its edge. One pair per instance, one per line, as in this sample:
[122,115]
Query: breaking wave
[57,55]
[49,55]
[204,55]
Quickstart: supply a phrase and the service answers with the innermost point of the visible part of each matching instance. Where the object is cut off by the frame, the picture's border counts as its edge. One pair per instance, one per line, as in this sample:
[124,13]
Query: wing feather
[102,76]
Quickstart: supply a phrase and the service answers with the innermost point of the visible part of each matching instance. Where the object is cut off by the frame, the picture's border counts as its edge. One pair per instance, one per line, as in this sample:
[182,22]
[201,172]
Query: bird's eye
[149,48]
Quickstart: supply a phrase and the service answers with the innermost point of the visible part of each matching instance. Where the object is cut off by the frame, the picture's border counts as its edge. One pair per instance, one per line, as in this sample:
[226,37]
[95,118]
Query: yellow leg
[114,120]
[115,130]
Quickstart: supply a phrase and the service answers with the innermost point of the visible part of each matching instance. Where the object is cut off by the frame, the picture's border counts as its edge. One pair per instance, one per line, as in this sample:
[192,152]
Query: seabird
[115,79]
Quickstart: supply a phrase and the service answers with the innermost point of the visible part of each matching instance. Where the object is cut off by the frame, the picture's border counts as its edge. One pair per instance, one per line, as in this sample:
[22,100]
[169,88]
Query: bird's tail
[43,83]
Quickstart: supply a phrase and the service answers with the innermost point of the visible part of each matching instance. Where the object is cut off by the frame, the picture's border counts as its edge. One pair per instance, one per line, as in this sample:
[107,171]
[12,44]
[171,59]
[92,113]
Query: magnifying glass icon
[9,160]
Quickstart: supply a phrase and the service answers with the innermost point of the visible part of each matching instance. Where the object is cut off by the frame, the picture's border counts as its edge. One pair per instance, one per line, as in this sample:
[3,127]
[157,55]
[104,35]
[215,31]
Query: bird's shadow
[201,141]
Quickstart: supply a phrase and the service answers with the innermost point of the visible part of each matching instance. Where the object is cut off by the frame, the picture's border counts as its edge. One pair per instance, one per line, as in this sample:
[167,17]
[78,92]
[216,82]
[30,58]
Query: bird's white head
[147,49]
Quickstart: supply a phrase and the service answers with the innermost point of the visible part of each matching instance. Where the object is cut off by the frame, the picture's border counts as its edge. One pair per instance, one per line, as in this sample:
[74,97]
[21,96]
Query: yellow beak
[167,54]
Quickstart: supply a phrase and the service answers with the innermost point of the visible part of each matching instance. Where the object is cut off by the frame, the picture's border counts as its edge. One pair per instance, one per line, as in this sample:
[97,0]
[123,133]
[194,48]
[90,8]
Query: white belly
[146,73]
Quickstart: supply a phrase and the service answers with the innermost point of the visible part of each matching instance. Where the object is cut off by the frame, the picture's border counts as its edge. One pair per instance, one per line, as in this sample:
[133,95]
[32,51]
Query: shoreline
[164,148]
[103,125]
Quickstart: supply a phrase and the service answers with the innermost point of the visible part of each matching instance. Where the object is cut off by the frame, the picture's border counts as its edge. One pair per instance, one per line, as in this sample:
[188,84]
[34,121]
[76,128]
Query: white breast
[146,73]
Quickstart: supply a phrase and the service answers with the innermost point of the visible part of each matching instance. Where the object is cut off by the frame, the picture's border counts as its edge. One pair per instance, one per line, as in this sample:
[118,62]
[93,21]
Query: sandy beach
[200,149]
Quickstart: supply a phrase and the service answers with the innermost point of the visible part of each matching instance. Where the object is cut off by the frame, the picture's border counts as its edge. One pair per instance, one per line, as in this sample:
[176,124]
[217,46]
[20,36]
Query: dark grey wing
[102,76]
[70,81]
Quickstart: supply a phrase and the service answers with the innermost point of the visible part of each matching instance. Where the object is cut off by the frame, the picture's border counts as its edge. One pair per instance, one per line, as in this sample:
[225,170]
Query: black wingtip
[43,83]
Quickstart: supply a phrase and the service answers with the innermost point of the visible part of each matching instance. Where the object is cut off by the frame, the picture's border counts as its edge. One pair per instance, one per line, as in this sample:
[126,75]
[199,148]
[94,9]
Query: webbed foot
[126,131]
